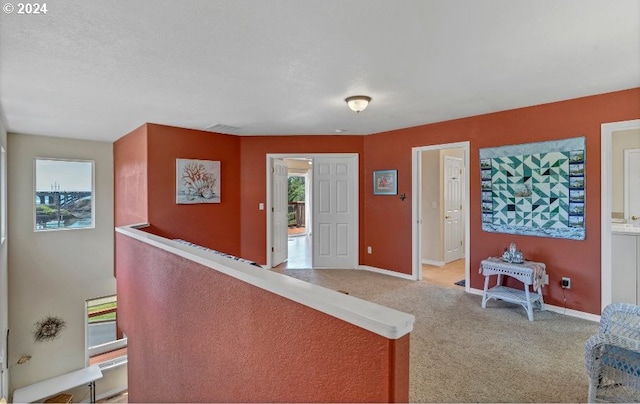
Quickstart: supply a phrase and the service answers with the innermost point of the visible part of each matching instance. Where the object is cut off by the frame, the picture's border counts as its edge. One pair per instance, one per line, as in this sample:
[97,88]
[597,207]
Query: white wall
[430,177]
[4,300]
[53,273]
[620,141]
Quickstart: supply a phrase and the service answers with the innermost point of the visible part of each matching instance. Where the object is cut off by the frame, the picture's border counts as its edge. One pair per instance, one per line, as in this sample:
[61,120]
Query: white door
[632,185]
[453,225]
[335,212]
[279,208]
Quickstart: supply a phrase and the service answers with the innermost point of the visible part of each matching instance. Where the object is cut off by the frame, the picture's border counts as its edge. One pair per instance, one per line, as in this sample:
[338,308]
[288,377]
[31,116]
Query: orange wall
[254,150]
[213,338]
[238,227]
[215,225]
[130,178]
[388,221]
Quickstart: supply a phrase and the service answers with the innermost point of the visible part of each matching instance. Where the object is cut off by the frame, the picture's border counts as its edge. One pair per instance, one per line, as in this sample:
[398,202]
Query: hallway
[446,275]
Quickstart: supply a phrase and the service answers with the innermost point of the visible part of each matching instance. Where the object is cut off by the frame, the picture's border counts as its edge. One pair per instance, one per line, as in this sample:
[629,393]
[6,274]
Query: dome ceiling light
[358,103]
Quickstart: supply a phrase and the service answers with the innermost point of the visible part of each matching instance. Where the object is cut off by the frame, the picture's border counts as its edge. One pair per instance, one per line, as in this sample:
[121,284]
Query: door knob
[634,217]
[449,217]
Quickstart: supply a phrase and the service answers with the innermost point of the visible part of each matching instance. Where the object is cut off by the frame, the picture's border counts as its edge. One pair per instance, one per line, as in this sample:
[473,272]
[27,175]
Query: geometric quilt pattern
[541,193]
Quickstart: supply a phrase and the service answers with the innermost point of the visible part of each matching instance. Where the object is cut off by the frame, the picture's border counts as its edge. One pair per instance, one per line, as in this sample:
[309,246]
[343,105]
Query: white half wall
[54,272]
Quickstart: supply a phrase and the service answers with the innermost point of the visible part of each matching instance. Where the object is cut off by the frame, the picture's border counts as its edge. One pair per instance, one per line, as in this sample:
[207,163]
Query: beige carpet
[462,353]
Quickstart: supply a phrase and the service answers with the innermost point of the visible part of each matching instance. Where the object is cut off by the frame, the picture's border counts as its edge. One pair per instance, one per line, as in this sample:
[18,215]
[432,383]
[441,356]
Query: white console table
[49,387]
[529,273]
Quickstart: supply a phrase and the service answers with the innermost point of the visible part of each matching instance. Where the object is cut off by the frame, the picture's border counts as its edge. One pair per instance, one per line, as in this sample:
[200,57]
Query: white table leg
[541,299]
[529,306]
[484,294]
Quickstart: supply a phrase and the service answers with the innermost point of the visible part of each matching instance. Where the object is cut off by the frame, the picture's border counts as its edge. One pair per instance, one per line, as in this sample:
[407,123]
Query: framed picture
[535,189]
[385,182]
[197,181]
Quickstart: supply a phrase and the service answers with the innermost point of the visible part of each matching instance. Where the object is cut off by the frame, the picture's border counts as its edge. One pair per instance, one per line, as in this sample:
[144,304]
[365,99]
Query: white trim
[606,132]
[3,194]
[108,394]
[572,313]
[107,347]
[416,245]
[114,363]
[385,272]
[433,263]
[556,309]
[378,319]
[311,156]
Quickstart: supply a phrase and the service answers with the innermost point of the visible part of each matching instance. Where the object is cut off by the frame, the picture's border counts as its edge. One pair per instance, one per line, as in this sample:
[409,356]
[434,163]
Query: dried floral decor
[197,181]
[48,329]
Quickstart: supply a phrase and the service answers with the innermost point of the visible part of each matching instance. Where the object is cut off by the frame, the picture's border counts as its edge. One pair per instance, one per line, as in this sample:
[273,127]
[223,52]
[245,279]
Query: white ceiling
[99,69]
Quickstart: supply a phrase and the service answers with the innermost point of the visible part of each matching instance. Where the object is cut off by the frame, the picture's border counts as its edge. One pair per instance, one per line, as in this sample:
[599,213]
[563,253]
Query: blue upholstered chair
[612,357]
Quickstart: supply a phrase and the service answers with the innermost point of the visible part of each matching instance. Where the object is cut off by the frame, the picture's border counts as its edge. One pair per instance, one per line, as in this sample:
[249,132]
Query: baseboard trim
[572,313]
[556,309]
[107,394]
[433,263]
[386,272]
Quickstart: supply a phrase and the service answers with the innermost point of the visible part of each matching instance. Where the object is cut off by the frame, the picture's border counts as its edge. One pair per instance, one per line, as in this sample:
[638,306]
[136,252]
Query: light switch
[261,206]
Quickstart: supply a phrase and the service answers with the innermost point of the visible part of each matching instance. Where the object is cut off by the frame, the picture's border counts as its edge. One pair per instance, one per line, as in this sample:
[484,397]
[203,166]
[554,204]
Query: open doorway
[441,214]
[615,215]
[331,211]
[299,252]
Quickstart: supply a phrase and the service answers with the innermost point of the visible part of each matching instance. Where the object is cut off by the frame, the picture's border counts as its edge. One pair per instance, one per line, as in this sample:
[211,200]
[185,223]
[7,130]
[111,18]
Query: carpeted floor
[462,353]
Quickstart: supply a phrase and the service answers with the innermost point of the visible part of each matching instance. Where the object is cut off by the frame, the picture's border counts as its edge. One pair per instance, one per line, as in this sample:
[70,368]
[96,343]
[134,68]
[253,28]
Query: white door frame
[416,201]
[606,131]
[311,156]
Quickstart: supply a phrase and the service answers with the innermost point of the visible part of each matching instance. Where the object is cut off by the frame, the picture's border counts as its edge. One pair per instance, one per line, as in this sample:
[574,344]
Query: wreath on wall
[48,329]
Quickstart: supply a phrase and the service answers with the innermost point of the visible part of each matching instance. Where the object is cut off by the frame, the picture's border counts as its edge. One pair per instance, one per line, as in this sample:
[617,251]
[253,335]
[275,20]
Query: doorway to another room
[312,201]
[619,218]
[441,214]
[298,207]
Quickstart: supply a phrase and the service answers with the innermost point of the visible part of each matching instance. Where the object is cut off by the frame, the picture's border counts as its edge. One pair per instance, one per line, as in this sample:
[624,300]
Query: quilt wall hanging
[535,189]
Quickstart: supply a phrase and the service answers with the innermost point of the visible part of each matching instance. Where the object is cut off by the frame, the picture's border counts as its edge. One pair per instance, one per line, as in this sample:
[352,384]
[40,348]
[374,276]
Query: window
[105,347]
[63,194]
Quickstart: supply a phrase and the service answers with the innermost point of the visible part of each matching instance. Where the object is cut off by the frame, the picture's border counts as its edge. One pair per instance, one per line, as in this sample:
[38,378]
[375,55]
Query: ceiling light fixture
[358,103]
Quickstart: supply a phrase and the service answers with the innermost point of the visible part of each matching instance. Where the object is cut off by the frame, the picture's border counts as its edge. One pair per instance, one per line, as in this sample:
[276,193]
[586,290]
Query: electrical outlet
[369,250]
[566,282]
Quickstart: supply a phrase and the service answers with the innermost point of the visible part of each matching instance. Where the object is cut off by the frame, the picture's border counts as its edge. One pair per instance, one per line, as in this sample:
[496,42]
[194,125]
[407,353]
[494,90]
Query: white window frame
[96,350]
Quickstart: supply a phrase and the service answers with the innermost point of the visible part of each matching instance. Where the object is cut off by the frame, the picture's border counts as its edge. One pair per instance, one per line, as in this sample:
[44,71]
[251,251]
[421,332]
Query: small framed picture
[385,182]
[197,181]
